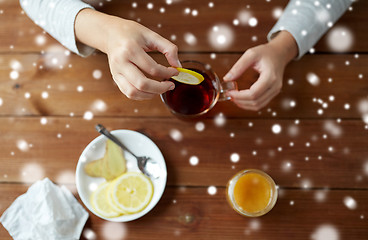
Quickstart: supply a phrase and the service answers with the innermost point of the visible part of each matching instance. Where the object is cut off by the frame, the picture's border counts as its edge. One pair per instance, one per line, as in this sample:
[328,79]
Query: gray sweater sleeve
[57,17]
[308,20]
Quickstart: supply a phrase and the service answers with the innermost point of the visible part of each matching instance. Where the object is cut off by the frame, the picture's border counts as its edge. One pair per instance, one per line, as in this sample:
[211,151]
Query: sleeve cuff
[307,21]
[71,42]
[276,29]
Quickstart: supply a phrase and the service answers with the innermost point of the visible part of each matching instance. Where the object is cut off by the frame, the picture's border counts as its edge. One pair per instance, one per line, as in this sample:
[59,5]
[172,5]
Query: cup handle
[225,87]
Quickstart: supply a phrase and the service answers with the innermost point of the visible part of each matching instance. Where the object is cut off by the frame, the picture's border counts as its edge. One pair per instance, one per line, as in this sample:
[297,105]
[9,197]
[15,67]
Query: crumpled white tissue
[45,212]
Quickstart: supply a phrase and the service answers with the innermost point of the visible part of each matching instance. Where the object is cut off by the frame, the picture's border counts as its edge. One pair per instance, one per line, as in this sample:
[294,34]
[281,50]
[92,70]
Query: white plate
[140,145]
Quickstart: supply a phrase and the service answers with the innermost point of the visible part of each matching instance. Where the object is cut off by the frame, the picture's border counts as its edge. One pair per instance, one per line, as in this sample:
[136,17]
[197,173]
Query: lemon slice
[110,199]
[100,203]
[188,77]
[132,192]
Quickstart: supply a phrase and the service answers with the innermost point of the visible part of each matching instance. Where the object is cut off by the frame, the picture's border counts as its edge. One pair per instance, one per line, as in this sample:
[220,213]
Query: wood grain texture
[191,213]
[318,159]
[74,90]
[296,157]
[20,33]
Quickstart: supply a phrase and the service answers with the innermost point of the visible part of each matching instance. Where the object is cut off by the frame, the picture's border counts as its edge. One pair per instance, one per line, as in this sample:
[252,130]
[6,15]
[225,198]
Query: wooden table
[319,159]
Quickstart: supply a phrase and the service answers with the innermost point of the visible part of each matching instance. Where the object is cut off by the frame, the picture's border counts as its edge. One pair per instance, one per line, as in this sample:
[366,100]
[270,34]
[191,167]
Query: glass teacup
[195,100]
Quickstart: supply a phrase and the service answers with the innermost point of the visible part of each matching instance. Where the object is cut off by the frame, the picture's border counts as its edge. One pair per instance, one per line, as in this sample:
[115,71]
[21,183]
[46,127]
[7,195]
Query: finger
[257,90]
[167,48]
[147,64]
[244,62]
[142,83]
[130,90]
[258,104]
[268,99]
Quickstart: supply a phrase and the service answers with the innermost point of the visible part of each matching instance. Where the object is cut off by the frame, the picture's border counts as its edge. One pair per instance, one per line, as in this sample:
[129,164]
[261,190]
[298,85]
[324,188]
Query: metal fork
[142,161]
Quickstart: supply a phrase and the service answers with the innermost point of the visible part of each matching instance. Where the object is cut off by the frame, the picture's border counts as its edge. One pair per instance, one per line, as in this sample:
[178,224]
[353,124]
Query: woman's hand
[269,60]
[126,44]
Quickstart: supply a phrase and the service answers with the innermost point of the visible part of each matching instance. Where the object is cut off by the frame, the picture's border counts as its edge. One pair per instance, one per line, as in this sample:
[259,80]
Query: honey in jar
[252,193]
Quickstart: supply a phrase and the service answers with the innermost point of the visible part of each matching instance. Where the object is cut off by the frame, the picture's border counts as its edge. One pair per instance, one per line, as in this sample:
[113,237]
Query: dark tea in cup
[191,99]
[194,100]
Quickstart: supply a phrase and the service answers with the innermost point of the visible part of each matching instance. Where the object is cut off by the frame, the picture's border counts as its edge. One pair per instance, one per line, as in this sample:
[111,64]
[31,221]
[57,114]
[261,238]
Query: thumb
[245,61]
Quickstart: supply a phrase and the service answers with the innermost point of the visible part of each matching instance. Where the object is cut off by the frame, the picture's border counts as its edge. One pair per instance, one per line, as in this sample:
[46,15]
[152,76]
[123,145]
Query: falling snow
[255,224]
[253,22]
[97,74]
[113,230]
[89,234]
[14,75]
[193,160]
[80,88]
[244,16]
[288,104]
[150,5]
[220,120]
[43,121]
[221,36]
[186,11]
[234,157]
[320,195]
[326,232]
[56,57]
[276,128]
[306,183]
[340,39]
[92,187]
[199,126]
[350,203]
[16,65]
[99,106]
[365,167]
[22,145]
[40,40]
[190,38]
[332,128]
[277,12]
[212,190]
[31,172]
[45,95]
[286,166]
[313,79]
[363,109]
[88,115]
[176,135]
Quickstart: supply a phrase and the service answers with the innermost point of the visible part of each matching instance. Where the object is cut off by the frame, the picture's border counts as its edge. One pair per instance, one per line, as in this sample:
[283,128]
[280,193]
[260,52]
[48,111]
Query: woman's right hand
[126,44]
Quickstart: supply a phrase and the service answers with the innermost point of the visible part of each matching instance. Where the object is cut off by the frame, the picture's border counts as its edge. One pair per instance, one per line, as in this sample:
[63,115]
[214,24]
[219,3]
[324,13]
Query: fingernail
[172,87]
[228,76]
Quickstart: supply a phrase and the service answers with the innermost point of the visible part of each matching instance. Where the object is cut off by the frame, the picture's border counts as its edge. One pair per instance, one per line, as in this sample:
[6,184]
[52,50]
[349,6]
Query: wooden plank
[74,90]
[191,213]
[20,34]
[298,156]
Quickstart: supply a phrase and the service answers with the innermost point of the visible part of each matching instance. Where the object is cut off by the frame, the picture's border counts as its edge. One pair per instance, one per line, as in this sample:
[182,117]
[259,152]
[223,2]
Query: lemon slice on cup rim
[187,76]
